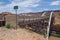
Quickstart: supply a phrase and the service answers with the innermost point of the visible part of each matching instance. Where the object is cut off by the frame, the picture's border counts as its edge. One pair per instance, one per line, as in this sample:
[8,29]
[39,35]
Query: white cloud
[23,6]
[26,3]
[35,5]
[29,3]
[46,9]
[55,3]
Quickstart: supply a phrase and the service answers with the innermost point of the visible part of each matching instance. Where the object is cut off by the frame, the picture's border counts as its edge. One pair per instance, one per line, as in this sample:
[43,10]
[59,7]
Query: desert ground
[21,34]
[24,34]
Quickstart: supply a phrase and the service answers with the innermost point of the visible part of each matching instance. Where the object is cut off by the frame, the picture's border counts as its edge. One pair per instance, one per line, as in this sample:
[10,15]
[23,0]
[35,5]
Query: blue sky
[29,5]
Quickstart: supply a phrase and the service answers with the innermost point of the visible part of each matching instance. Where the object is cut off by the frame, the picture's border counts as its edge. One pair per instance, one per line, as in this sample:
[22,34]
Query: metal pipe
[48,27]
[16,18]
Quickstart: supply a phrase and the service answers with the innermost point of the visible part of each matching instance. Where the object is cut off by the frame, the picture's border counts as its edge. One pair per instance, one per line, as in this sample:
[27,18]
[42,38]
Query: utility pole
[48,27]
[16,8]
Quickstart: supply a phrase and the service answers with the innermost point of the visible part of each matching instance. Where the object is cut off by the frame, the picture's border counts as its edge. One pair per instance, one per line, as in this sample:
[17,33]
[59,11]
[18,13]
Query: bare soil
[54,38]
[21,34]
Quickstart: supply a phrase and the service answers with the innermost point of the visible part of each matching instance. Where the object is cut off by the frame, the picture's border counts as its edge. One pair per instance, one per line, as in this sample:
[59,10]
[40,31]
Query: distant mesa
[29,12]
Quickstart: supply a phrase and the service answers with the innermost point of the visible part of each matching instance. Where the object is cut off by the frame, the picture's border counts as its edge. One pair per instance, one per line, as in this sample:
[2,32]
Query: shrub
[8,25]
[56,35]
[20,26]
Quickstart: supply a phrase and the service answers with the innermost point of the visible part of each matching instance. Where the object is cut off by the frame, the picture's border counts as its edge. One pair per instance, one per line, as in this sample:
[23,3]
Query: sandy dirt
[54,38]
[21,34]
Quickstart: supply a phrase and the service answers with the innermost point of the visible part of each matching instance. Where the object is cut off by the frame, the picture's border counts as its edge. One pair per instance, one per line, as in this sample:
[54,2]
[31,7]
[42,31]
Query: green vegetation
[29,30]
[56,35]
[8,25]
[42,33]
[20,26]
